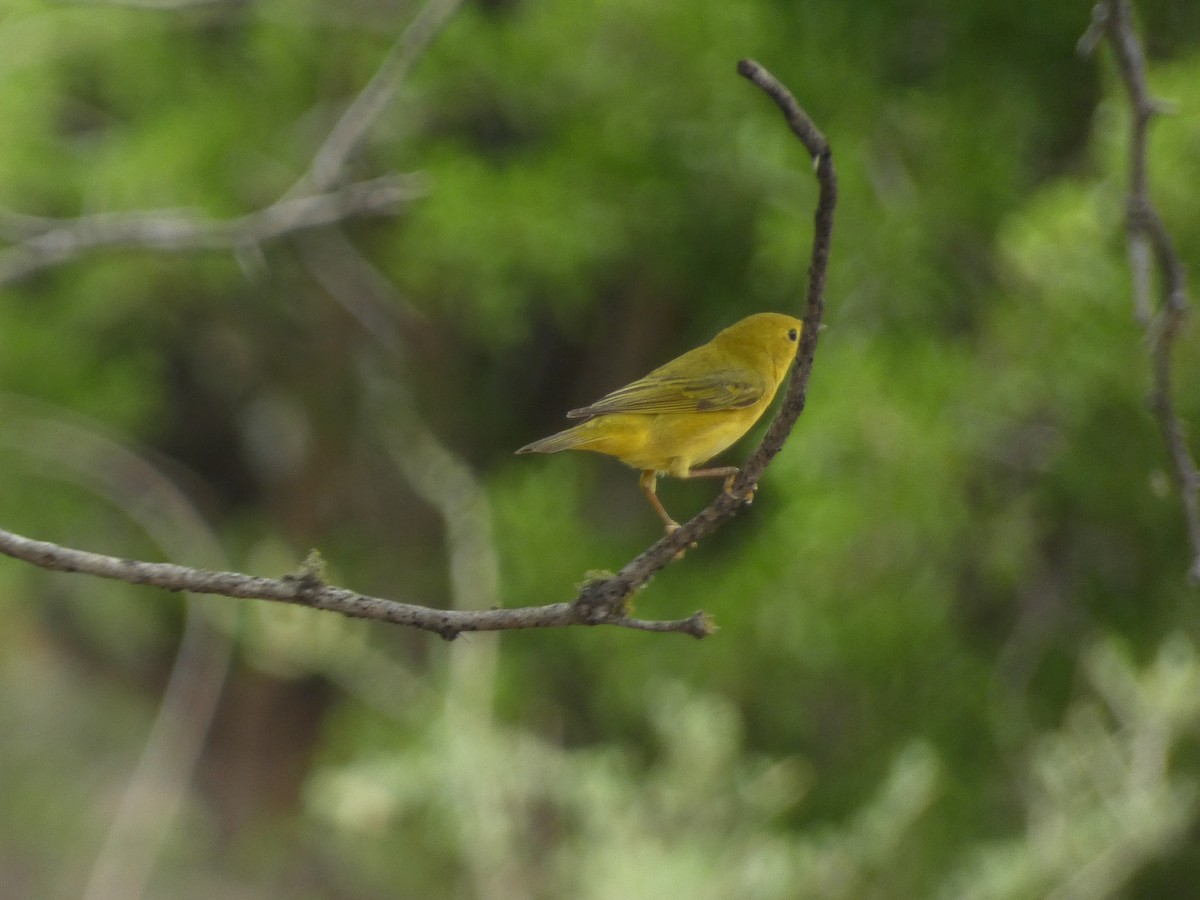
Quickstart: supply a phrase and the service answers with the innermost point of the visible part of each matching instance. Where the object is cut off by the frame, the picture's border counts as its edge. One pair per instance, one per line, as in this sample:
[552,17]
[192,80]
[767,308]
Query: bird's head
[766,340]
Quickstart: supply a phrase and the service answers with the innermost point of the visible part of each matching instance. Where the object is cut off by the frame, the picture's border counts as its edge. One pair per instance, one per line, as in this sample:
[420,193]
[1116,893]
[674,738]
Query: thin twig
[50,242]
[1148,237]
[814,141]
[361,290]
[329,162]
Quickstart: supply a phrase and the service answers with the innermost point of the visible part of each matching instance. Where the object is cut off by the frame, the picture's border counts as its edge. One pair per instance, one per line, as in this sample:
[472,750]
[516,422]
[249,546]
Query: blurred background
[957,653]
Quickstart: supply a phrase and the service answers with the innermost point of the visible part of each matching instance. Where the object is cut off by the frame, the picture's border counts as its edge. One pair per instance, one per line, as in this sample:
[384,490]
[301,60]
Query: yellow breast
[668,442]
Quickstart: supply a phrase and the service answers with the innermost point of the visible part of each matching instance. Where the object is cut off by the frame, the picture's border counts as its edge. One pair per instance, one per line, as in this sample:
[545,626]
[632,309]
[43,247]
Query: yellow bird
[686,412]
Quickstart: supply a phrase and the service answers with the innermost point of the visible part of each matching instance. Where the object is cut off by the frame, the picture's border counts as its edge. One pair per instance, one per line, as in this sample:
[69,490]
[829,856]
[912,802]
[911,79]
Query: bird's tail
[569,439]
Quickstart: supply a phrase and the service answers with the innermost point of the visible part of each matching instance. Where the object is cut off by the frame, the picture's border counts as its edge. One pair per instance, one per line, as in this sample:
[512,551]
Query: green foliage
[701,819]
[956,653]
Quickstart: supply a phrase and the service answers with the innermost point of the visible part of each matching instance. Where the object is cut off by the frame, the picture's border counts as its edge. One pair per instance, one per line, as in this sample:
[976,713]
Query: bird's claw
[671,528]
[748,499]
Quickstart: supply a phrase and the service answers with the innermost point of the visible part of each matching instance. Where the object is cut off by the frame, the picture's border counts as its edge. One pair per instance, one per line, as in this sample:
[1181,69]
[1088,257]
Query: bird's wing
[666,391]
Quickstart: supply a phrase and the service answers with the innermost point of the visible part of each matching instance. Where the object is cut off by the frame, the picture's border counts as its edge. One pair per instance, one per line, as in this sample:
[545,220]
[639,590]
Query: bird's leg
[647,481]
[729,473]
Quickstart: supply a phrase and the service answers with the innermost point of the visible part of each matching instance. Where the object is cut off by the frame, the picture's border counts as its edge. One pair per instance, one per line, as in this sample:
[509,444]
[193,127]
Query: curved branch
[1148,238]
[617,589]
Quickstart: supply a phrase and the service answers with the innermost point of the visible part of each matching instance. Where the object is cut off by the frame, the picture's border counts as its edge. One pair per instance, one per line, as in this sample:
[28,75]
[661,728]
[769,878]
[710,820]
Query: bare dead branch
[1148,238]
[51,242]
[347,135]
[40,243]
[307,589]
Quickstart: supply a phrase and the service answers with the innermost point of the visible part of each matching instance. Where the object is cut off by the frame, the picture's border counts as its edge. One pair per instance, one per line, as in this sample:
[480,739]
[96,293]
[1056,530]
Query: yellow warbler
[689,410]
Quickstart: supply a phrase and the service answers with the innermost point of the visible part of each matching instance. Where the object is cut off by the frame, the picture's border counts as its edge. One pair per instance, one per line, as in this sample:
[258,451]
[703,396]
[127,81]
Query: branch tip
[1091,38]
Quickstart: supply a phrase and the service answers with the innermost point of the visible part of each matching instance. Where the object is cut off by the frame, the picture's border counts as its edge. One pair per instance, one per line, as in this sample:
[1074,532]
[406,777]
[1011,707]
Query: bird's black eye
[791,334]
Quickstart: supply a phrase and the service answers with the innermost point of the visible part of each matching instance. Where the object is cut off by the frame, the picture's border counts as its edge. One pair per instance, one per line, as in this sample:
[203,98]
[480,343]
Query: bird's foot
[670,529]
[748,499]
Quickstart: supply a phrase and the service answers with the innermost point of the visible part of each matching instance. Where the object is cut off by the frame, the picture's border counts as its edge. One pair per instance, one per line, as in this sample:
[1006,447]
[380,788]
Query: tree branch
[602,601]
[307,589]
[40,243]
[1149,239]
[50,242]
